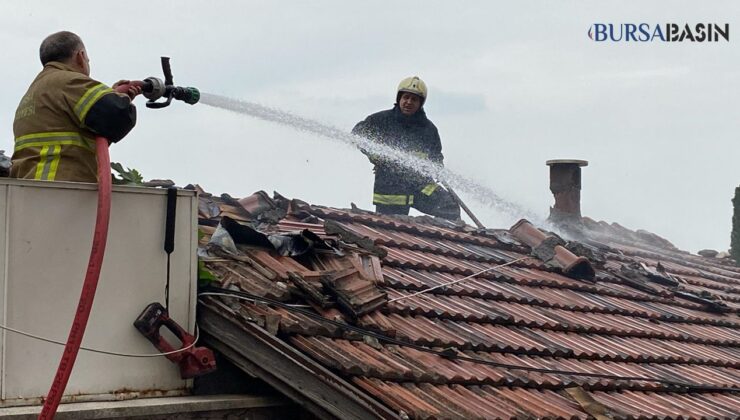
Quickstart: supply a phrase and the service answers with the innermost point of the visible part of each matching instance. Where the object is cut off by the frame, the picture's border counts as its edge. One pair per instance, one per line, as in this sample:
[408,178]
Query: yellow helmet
[413,85]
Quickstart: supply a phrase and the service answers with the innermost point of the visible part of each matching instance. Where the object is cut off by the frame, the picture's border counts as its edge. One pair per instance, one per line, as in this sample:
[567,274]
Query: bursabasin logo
[667,32]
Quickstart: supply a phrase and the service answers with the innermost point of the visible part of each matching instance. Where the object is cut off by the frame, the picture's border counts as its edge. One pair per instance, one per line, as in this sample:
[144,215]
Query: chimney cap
[578,162]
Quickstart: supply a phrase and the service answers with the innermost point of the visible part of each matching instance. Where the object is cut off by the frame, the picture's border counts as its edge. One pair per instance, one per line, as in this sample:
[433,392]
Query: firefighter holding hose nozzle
[62,112]
[406,127]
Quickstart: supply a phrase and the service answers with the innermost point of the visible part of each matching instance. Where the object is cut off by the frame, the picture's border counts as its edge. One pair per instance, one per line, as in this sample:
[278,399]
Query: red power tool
[193,361]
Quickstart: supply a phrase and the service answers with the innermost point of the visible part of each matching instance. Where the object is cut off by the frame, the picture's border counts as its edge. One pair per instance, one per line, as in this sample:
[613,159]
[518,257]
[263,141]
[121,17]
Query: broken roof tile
[355,294]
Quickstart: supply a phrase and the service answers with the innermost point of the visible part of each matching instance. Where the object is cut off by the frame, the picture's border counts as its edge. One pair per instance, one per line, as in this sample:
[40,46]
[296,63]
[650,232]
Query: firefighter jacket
[57,121]
[396,184]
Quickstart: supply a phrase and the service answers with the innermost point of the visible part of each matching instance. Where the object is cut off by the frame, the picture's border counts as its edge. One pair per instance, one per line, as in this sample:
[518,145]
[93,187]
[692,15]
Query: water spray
[425,167]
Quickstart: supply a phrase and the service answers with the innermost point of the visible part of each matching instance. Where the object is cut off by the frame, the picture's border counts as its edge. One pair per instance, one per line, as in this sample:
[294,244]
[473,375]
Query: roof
[645,310]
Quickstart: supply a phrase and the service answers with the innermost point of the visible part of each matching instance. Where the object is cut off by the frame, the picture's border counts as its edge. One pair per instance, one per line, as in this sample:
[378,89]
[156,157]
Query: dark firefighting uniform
[397,187]
[57,121]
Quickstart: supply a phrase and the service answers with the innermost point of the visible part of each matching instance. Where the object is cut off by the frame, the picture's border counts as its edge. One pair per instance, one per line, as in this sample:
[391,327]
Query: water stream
[475,190]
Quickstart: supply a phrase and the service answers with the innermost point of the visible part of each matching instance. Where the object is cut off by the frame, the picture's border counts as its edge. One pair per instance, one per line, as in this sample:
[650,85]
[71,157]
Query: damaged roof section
[287,259]
[425,319]
[551,250]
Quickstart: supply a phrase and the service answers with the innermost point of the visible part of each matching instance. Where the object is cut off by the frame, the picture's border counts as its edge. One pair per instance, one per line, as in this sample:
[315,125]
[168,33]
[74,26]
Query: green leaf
[128,176]
[205,277]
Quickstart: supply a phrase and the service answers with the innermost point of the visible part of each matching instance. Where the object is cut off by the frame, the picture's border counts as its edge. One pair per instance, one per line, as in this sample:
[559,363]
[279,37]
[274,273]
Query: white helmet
[413,85]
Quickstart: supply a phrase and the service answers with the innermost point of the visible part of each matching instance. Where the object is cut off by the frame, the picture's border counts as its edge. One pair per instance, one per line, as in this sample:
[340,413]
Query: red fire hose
[95,263]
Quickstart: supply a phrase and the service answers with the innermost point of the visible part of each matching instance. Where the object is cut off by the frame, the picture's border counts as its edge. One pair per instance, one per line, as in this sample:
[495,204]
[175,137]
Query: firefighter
[406,127]
[62,112]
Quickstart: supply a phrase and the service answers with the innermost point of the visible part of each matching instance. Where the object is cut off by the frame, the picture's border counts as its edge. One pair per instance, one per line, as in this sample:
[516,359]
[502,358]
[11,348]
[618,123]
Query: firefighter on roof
[406,127]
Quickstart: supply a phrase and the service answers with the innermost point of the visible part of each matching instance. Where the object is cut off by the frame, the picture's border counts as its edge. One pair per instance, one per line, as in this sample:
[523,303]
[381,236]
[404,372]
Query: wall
[45,237]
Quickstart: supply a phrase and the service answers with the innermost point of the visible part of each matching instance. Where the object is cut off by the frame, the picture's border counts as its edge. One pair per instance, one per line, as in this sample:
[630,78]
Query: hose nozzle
[189,95]
[155,88]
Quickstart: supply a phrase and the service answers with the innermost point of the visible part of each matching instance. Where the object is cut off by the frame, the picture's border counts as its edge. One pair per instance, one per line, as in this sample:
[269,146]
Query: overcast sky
[511,85]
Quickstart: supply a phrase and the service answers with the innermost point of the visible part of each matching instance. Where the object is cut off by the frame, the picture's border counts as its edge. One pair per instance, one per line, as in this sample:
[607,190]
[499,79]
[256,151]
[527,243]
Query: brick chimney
[565,184]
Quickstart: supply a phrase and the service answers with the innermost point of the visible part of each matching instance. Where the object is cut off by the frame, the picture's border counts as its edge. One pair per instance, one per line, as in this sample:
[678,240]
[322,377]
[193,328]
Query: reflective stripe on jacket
[57,121]
[393,199]
[429,188]
[47,149]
